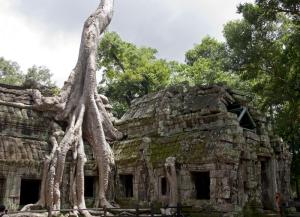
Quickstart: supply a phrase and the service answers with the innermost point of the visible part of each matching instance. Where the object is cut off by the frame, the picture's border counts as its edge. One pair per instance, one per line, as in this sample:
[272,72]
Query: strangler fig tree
[83,109]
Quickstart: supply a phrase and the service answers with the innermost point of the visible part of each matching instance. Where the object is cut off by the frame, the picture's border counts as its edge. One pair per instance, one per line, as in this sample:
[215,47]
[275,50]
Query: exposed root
[29,207]
[83,109]
[28,214]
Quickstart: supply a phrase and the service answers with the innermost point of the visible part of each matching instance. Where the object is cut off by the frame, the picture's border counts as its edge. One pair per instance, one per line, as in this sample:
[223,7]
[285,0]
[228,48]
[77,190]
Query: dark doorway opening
[89,183]
[202,185]
[163,186]
[30,191]
[126,182]
[2,189]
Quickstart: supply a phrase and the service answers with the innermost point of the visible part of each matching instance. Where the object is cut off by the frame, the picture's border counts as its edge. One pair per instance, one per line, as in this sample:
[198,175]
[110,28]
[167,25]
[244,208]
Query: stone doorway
[2,189]
[163,186]
[89,186]
[30,191]
[201,181]
[126,186]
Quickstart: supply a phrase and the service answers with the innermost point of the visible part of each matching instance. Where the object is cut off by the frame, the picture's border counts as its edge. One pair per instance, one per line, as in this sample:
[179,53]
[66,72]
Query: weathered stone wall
[23,142]
[242,159]
[246,162]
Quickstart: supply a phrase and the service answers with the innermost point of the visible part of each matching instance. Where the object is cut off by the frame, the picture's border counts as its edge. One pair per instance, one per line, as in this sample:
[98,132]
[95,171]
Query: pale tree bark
[170,167]
[84,111]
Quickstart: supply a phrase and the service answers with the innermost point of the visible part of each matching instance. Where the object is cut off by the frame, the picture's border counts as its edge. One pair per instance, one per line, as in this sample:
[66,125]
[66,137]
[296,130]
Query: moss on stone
[127,202]
[159,152]
[127,152]
[187,147]
[252,209]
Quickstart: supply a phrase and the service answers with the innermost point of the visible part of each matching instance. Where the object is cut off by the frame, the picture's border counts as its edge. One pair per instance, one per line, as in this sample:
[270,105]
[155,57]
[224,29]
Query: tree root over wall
[83,110]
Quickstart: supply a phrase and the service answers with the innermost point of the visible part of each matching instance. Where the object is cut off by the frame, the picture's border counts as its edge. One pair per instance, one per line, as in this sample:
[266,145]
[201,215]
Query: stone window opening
[30,191]
[201,181]
[126,184]
[2,189]
[89,186]
[163,186]
[244,117]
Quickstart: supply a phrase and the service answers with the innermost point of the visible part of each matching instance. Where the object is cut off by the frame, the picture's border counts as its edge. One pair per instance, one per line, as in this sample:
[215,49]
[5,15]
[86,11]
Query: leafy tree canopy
[38,77]
[10,72]
[209,48]
[207,63]
[130,71]
[265,50]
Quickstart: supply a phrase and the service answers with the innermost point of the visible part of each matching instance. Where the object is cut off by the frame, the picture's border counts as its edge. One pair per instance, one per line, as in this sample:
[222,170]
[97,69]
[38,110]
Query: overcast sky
[47,32]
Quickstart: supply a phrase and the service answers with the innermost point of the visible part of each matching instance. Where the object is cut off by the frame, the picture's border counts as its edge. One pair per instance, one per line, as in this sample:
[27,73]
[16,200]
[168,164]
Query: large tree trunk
[84,111]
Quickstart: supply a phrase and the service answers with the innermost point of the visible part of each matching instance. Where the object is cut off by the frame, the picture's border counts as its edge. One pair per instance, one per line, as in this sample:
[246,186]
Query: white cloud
[172,26]
[27,43]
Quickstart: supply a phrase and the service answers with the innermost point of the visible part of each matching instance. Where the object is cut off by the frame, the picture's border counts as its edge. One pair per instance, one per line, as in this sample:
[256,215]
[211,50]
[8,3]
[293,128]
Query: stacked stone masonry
[216,135]
[24,145]
[227,155]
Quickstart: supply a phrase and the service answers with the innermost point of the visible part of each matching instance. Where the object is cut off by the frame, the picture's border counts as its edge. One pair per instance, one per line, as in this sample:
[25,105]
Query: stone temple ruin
[223,152]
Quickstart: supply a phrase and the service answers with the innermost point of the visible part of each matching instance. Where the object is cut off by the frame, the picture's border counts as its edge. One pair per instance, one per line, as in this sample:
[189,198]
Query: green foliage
[130,71]
[265,51]
[209,48]
[207,63]
[271,8]
[205,71]
[10,72]
[37,77]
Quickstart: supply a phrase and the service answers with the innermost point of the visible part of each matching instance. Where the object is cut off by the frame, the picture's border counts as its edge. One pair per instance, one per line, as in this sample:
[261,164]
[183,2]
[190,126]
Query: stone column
[273,184]
[13,191]
[172,180]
